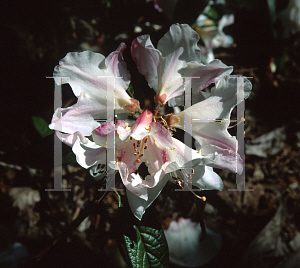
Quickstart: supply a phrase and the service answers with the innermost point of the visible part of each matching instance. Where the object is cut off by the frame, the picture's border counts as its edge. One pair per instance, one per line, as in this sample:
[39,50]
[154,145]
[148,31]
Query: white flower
[213,36]
[146,141]
[185,247]
[118,146]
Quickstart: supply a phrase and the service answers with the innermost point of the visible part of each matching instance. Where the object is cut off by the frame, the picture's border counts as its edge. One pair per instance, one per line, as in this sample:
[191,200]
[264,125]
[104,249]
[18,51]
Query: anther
[141,155]
[193,171]
[145,147]
[131,138]
[138,160]
[136,153]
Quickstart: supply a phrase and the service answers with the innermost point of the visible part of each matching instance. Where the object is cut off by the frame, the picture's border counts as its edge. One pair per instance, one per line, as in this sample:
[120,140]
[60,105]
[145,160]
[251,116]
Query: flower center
[139,147]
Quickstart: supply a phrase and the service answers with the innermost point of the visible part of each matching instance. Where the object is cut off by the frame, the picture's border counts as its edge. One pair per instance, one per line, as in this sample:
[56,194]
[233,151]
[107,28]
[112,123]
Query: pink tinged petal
[87,72]
[70,139]
[161,136]
[146,58]
[82,70]
[154,156]
[89,154]
[78,117]
[100,133]
[117,67]
[132,107]
[170,82]
[181,155]
[124,132]
[161,70]
[141,127]
[206,179]
[208,74]
[213,135]
[126,154]
[138,205]
[224,158]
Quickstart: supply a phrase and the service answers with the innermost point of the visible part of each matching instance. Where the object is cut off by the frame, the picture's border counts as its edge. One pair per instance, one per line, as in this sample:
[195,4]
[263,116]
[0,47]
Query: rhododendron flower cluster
[149,139]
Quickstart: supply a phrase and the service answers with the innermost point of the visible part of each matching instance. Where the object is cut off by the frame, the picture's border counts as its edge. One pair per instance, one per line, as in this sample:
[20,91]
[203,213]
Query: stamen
[203,198]
[142,148]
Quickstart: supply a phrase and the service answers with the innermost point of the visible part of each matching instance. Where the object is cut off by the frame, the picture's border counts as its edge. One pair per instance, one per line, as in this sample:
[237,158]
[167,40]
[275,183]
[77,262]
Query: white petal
[70,139]
[110,128]
[87,72]
[162,67]
[146,58]
[77,118]
[89,154]
[208,74]
[213,135]
[209,180]
[226,20]
[139,205]
[180,36]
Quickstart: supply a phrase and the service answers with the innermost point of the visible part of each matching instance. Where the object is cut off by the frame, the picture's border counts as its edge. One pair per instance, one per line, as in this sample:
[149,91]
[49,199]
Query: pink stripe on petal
[217,142]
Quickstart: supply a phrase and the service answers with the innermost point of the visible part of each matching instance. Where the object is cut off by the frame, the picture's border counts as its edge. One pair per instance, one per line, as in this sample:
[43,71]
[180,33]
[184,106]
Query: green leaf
[41,126]
[142,243]
[70,158]
[131,90]
[212,14]
[150,249]
[136,253]
[156,246]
